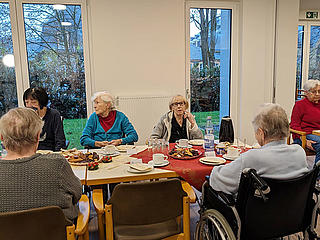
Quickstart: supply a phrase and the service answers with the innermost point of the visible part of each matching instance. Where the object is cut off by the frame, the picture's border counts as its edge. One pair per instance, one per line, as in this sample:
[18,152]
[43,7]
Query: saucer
[165,163]
[116,153]
[212,160]
[189,146]
[196,142]
[231,158]
[145,168]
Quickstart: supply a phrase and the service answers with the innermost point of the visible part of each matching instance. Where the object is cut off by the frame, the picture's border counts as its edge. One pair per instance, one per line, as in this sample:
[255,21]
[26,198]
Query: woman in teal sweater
[106,125]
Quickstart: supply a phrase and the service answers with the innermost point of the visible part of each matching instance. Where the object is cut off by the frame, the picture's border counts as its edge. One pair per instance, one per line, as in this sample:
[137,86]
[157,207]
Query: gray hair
[19,128]
[310,84]
[273,121]
[106,97]
[178,96]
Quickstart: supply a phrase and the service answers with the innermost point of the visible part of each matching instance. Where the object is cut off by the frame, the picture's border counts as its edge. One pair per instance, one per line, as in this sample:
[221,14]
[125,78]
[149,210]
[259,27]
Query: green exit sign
[312,15]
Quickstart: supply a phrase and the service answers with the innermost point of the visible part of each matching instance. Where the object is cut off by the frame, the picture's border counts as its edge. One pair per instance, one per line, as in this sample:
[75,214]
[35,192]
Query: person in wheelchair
[239,201]
[275,159]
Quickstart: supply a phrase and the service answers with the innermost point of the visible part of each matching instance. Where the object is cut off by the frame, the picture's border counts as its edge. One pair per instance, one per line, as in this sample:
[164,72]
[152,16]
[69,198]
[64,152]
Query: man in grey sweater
[275,159]
[30,180]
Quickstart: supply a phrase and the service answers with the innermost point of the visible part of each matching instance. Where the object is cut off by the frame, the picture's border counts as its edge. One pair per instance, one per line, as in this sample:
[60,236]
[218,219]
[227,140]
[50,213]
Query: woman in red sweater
[306,116]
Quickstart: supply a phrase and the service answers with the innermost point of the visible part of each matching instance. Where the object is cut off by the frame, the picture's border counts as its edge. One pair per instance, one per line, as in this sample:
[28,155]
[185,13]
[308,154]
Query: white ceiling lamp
[59,7]
[66,23]
[8,60]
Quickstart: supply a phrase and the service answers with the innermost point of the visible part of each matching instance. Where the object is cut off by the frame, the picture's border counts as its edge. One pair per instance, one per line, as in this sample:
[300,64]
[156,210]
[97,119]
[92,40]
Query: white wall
[138,48]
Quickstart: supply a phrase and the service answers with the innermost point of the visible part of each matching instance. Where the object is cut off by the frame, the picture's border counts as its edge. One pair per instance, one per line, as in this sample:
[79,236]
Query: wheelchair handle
[260,183]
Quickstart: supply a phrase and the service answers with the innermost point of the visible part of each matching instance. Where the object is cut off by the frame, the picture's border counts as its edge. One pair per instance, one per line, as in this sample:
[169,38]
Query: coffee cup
[183,143]
[159,158]
[110,149]
[233,152]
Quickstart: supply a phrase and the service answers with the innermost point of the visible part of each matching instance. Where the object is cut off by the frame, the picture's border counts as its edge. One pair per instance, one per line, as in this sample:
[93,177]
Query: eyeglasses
[178,103]
[315,92]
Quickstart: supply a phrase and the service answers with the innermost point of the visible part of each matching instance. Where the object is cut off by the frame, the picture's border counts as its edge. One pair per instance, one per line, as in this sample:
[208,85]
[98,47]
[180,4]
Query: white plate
[212,160]
[196,142]
[113,154]
[165,163]
[124,148]
[131,170]
[231,158]
[189,146]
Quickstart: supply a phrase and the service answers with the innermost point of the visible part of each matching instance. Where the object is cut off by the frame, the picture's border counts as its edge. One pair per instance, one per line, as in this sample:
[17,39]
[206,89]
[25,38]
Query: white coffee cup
[110,149]
[183,143]
[159,158]
[233,152]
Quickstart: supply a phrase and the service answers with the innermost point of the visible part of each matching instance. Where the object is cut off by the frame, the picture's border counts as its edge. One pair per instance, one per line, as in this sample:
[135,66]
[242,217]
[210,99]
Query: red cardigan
[305,116]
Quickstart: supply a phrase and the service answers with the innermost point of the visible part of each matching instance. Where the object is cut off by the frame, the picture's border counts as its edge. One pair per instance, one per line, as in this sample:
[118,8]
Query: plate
[116,153]
[44,151]
[231,158]
[165,163]
[124,148]
[187,158]
[131,170]
[196,142]
[214,161]
[177,146]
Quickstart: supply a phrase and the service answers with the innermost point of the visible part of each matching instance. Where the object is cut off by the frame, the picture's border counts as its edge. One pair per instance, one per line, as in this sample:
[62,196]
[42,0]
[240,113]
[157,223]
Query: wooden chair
[303,138]
[300,93]
[149,194]
[45,223]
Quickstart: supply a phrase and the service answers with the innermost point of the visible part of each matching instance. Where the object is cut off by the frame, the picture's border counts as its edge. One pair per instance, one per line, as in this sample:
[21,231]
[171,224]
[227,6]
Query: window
[308,54]
[51,48]
[8,89]
[210,63]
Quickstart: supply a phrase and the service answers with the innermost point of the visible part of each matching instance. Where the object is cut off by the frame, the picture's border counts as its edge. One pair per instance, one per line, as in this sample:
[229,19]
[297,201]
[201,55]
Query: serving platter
[178,153]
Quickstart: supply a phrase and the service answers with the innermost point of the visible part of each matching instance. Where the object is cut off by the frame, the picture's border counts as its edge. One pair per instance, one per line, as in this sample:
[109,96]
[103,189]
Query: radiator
[144,112]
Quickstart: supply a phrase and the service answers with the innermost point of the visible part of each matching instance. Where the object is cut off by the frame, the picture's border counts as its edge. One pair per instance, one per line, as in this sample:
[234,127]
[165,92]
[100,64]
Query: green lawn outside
[201,118]
[73,127]
[73,130]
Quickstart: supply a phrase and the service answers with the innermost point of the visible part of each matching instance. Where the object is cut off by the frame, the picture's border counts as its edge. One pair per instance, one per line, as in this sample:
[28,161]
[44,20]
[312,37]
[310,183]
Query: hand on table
[190,117]
[101,143]
[116,142]
[309,144]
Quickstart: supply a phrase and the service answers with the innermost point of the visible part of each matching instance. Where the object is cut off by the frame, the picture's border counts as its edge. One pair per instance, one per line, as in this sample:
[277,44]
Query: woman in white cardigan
[178,123]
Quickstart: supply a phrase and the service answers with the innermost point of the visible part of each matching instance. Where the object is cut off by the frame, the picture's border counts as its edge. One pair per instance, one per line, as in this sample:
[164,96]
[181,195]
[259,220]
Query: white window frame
[234,67]
[20,50]
[306,48]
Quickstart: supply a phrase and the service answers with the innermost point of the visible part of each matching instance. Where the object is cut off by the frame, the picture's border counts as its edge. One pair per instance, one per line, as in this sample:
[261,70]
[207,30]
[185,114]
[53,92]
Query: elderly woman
[306,116]
[178,123]
[107,125]
[30,180]
[52,135]
[275,159]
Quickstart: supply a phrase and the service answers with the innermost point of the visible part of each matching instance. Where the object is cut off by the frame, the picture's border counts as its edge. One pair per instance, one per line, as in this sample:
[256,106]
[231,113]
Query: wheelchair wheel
[213,226]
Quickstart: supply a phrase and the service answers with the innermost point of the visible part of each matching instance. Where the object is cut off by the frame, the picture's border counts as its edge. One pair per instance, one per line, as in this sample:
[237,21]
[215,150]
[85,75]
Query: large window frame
[20,49]
[306,49]
[234,90]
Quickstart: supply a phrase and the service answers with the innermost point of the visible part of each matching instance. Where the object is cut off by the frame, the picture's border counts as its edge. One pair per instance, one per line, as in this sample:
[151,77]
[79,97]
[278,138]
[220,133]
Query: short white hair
[312,83]
[106,97]
[273,121]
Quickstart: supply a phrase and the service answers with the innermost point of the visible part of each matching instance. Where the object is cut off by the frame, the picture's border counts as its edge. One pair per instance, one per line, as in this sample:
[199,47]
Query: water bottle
[209,137]
[209,126]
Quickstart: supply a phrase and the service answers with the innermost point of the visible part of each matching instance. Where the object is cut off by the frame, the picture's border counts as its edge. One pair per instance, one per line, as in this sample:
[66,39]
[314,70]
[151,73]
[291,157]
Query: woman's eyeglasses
[178,103]
[314,92]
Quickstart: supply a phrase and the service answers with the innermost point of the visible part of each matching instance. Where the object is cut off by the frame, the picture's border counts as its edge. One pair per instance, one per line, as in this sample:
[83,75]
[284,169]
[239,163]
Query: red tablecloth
[191,170]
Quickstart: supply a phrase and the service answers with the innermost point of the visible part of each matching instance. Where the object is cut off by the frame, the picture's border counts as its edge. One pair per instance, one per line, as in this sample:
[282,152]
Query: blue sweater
[121,129]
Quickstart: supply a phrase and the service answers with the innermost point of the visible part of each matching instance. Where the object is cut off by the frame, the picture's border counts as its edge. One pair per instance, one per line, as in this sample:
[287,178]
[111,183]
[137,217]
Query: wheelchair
[264,208]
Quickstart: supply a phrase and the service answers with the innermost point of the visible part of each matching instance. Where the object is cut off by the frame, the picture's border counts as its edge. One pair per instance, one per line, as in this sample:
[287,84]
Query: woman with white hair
[306,116]
[106,125]
[275,159]
[29,180]
[178,123]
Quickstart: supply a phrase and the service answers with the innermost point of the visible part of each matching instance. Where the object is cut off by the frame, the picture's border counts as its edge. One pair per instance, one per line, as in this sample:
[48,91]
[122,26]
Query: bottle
[209,137]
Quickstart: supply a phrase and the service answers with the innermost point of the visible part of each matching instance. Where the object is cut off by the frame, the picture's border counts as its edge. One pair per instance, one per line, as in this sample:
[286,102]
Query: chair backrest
[146,202]
[287,210]
[34,224]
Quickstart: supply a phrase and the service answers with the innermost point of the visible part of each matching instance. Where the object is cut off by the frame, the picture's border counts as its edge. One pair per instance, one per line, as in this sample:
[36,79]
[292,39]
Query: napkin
[141,166]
